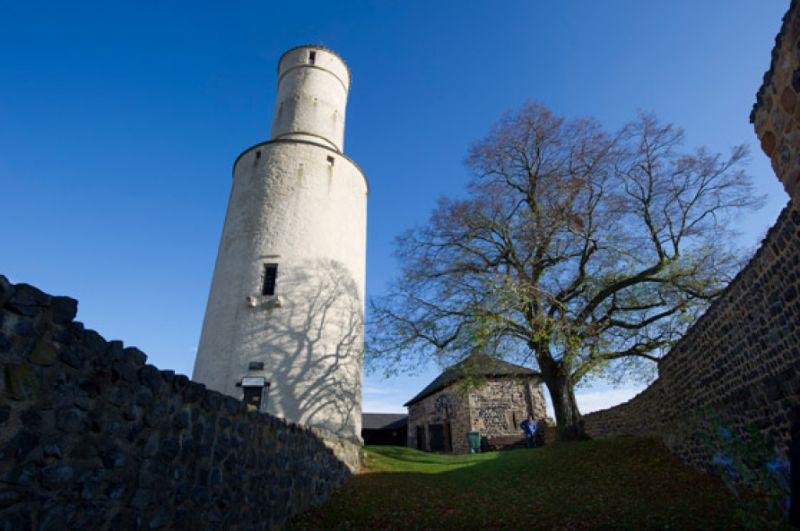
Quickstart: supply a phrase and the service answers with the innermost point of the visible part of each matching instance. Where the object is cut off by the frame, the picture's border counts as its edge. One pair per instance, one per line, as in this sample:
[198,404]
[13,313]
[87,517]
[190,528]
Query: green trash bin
[474,442]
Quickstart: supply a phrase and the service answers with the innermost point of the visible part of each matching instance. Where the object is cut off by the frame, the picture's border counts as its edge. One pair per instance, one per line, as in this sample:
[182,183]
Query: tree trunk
[568,418]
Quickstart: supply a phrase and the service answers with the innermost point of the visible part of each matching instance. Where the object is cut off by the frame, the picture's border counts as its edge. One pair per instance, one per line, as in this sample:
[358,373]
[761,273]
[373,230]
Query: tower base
[348,451]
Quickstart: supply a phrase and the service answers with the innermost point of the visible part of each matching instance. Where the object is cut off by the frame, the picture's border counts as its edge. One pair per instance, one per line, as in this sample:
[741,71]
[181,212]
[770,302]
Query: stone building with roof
[480,394]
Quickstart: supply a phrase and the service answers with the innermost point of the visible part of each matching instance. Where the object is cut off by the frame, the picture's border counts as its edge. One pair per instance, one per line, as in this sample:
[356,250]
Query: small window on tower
[253,392]
[258,154]
[312,57]
[270,275]
[331,160]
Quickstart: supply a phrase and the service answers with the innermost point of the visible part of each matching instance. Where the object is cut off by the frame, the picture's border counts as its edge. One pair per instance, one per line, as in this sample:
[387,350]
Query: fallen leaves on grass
[612,484]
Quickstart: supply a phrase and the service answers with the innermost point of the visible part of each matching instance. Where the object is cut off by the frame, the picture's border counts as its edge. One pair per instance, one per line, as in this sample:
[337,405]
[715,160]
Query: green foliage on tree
[576,251]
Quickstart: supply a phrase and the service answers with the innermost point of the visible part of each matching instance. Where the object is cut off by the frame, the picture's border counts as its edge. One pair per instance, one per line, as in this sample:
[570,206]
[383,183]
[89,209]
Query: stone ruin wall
[426,412]
[93,437]
[776,113]
[500,405]
[742,358]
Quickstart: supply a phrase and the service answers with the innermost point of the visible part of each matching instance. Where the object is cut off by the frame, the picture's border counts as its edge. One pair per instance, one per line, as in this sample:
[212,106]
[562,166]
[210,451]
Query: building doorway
[253,391]
[252,396]
[437,437]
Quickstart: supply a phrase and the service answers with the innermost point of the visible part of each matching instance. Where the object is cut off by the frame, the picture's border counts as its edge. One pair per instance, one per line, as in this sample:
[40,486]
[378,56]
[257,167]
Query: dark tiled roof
[383,421]
[475,365]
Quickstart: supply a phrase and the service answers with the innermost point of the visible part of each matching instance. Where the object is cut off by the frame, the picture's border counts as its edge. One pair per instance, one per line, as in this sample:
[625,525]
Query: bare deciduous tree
[580,252]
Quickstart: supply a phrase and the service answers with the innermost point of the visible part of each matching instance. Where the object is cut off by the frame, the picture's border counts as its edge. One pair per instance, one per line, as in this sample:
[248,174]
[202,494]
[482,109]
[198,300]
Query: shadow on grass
[622,483]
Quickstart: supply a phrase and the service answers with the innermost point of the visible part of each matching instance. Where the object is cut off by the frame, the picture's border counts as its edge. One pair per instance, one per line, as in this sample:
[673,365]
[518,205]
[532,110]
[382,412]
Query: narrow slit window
[331,160]
[312,57]
[258,154]
[270,276]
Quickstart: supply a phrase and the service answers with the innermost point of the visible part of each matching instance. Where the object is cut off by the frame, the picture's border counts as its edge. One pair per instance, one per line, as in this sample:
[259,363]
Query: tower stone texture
[283,327]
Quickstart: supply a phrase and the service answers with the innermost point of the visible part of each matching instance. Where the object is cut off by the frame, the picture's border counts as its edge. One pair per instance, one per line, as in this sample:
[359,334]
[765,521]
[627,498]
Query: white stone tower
[283,325]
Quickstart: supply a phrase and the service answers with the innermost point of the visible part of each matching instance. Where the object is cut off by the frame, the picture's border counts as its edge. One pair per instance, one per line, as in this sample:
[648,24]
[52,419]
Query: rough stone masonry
[742,358]
[776,113]
[93,437]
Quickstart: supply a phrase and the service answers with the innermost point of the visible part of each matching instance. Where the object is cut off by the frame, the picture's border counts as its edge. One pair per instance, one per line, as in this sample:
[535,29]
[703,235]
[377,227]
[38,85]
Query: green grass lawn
[625,483]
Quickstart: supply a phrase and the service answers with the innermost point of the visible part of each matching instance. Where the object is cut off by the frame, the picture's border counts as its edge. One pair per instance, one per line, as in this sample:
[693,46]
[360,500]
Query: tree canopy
[574,250]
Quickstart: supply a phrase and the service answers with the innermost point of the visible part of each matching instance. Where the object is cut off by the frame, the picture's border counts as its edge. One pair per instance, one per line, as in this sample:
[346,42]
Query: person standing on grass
[529,428]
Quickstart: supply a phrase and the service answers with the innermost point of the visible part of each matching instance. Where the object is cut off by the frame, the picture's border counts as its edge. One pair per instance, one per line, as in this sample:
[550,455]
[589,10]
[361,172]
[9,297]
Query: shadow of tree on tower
[312,348]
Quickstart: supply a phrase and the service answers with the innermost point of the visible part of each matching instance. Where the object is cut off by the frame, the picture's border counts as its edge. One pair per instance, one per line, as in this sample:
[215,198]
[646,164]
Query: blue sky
[119,124]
